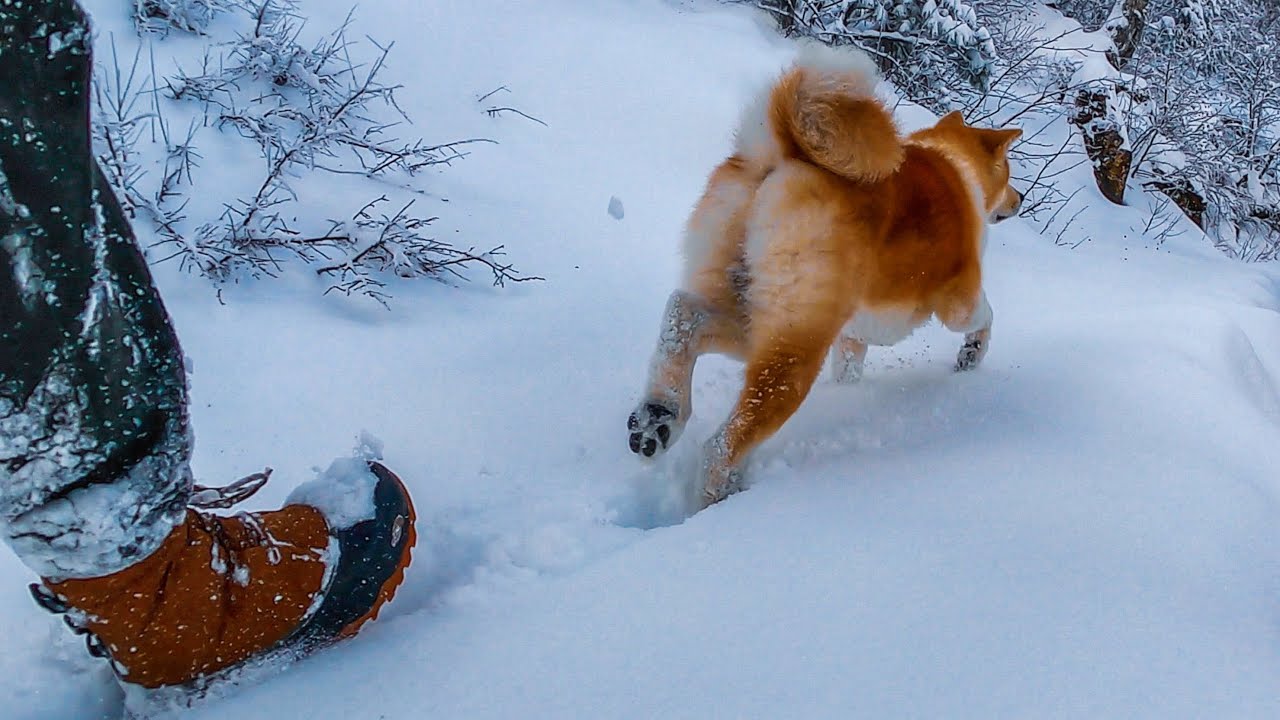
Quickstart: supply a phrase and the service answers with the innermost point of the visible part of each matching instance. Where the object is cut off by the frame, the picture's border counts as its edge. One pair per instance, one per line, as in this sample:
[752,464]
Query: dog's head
[987,153]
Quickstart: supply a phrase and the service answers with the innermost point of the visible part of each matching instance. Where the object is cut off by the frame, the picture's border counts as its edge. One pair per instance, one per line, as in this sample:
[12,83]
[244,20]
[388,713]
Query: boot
[221,591]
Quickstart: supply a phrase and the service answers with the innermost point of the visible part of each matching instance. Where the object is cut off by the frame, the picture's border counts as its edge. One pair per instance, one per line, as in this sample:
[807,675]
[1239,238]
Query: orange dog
[824,229]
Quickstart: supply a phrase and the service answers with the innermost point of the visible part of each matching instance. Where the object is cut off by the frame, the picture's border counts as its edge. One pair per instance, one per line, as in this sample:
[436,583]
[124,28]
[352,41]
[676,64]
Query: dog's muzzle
[1000,215]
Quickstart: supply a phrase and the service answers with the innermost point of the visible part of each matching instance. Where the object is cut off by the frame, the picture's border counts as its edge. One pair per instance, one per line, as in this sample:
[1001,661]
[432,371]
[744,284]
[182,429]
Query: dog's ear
[998,141]
[955,118]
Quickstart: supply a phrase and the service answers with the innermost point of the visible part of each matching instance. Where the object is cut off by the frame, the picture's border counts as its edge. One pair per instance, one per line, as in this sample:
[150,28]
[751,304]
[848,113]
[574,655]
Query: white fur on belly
[881,327]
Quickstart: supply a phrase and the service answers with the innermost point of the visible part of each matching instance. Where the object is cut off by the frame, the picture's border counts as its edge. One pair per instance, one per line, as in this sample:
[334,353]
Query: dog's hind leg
[706,315]
[847,357]
[799,298]
[973,350]
[777,381]
[975,323]
[690,327]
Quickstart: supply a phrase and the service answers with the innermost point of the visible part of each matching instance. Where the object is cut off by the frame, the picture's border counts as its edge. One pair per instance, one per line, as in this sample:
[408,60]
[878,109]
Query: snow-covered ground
[1087,526]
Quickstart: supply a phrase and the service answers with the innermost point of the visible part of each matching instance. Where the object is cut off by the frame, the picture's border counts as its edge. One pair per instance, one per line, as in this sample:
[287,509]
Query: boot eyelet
[397,530]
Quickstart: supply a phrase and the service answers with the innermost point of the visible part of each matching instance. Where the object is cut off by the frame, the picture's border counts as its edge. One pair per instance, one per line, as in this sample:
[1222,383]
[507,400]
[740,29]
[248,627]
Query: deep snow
[1084,527]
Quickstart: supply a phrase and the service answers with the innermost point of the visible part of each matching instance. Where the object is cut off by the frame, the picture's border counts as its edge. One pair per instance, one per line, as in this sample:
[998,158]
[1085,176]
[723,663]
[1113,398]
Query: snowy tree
[1208,125]
[1124,25]
[1199,95]
[1098,114]
[932,49]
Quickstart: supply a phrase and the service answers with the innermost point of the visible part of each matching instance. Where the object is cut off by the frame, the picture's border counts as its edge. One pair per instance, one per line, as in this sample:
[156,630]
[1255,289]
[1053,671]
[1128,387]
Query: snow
[1085,526]
[1069,42]
[343,493]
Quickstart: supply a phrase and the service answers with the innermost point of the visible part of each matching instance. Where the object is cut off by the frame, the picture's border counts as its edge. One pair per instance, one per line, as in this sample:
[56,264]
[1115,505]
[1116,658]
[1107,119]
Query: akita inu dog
[824,229]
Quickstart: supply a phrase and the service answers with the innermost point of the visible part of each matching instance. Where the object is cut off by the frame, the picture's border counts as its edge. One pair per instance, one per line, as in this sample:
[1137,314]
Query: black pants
[94,444]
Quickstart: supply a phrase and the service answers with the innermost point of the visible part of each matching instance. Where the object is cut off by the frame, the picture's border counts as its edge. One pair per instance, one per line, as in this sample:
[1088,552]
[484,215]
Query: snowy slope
[1085,527]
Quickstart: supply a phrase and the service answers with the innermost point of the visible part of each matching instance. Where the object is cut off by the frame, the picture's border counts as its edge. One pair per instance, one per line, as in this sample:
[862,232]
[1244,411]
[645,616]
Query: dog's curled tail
[824,110]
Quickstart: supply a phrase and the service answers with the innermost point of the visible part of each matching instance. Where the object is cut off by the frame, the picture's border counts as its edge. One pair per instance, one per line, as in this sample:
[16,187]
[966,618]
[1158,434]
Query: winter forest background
[1175,97]
[1085,527]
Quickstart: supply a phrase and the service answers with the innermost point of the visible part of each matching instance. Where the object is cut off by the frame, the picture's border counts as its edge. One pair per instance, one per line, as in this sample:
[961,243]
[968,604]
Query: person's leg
[94,444]
[92,389]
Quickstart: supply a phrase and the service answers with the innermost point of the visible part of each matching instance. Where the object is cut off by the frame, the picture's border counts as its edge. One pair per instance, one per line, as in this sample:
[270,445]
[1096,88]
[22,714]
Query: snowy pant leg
[94,444]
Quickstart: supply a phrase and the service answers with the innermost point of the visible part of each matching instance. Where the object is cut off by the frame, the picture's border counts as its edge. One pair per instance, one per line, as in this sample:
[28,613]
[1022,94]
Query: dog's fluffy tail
[824,110]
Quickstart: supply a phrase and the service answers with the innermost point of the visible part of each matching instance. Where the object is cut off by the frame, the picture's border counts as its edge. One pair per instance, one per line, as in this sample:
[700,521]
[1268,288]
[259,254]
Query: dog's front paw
[653,427]
[971,353]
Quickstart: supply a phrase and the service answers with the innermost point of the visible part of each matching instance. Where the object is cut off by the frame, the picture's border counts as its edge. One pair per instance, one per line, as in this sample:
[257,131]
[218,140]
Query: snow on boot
[221,591]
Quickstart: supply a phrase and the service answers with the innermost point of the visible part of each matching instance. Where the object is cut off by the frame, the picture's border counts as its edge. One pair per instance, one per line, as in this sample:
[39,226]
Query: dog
[824,230]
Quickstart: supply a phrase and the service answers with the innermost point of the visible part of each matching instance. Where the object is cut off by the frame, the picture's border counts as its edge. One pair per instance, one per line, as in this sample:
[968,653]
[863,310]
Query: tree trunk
[1185,197]
[1095,114]
[1125,25]
[1103,141]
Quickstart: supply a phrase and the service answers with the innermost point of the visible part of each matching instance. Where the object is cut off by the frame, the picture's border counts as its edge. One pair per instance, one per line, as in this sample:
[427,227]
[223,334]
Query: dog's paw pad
[650,428]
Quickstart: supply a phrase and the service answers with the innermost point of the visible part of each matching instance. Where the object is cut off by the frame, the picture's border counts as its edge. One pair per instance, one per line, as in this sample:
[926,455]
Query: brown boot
[224,590]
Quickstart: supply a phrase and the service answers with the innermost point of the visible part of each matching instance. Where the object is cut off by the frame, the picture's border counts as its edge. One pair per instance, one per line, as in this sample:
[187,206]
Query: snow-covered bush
[306,109]
[1091,14]
[187,15]
[934,50]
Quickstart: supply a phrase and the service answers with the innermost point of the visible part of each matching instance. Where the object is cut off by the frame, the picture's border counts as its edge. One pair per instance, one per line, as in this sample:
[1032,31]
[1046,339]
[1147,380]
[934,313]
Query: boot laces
[206,498]
[210,498]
